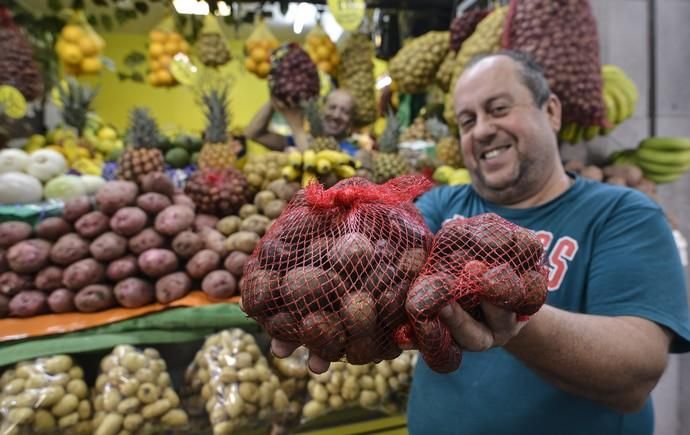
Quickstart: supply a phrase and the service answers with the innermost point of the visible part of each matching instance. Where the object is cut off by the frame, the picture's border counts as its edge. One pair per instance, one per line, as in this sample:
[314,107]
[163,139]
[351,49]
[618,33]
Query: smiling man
[587,361]
[336,113]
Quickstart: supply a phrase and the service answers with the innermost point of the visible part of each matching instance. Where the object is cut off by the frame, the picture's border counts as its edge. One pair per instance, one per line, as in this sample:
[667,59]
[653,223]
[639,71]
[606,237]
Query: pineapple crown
[313,115]
[436,128]
[216,101]
[76,100]
[388,143]
[143,129]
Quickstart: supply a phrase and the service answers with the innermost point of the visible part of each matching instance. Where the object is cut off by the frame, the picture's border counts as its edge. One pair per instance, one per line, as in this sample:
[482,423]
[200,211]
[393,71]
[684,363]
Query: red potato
[49,278]
[83,273]
[361,350]
[157,182]
[92,224]
[61,301]
[108,247]
[13,232]
[4,267]
[306,286]
[234,263]
[411,262]
[202,263]
[172,287]
[324,335]
[284,326]
[95,297]
[219,284]
[69,249]
[204,221]
[358,313]
[182,199]
[428,295]
[114,195]
[153,202]
[12,283]
[4,306]
[128,221]
[122,268]
[75,208]
[28,256]
[53,228]
[145,240]
[133,293]
[157,262]
[187,243]
[352,252]
[28,303]
[265,291]
[174,219]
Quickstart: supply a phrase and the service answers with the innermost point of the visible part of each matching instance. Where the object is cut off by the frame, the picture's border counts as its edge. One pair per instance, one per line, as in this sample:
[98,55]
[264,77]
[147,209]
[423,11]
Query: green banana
[663,157]
[567,132]
[662,143]
[659,169]
[623,110]
[591,132]
[611,108]
[663,179]
[617,75]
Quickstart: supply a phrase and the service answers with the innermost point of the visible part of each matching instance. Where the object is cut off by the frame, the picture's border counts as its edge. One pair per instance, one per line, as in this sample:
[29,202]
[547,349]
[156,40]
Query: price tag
[12,102]
[348,13]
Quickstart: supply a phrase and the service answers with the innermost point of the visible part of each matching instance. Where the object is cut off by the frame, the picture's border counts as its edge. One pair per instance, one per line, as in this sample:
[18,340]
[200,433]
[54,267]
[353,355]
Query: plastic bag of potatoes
[382,386]
[232,379]
[46,395]
[293,374]
[134,394]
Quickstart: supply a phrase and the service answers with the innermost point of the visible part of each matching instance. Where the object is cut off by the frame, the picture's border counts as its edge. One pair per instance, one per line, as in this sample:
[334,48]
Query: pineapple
[76,100]
[141,155]
[319,141]
[219,150]
[448,152]
[388,163]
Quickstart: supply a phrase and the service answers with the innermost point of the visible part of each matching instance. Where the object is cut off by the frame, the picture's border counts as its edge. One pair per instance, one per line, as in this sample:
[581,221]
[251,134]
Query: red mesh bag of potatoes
[294,78]
[333,270]
[562,36]
[480,258]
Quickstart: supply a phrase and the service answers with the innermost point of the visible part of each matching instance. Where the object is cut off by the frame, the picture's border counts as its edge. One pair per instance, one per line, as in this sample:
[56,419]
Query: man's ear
[553,110]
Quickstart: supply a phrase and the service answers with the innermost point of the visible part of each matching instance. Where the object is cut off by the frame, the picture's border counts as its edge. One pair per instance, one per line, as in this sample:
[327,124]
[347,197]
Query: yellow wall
[172,107]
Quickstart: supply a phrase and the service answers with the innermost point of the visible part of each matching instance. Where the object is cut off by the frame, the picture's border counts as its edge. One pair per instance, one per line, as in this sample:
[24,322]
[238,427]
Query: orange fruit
[91,65]
[88,46]
[249,44]
[164,77]
[258,54]
[249,64]
[155,49]
[174,37]
[184,46]
[154,64]
[171,48]
[157,36]
[164,61]
[323,53]
[313,40]
[72,33]
[263,69]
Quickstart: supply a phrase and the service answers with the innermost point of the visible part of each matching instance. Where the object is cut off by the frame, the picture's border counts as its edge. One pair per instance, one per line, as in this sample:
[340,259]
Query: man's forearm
[258,126]
[615,361]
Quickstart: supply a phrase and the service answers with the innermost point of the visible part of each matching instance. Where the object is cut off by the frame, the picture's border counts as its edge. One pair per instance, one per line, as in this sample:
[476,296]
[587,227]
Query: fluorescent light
[194,7]
[383,82]
[331,26]
[305,15]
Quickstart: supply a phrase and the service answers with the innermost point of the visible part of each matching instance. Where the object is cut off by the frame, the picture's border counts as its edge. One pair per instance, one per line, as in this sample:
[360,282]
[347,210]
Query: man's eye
[499,110]
[466,122]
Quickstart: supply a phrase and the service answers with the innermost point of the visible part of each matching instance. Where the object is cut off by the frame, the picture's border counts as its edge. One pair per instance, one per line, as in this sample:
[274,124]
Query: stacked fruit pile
[79,47]
[326,166]
[257,50]
[93,259]
[211,47]
[293,78]
[261,169]
[356,74]
[322,50]
[163,46]
[662,159]
[220,149]
[220,192]
[142,155]
[17,65]
[414,67]
[388,163]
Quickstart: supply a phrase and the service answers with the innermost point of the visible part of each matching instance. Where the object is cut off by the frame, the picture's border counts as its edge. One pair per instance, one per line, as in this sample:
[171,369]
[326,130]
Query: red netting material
[562,36]
[333,271]
[480,258]
[462,26]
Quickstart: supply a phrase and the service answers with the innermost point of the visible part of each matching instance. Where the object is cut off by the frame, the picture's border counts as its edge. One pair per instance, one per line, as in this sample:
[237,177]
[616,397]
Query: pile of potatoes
[134,394]
[381,386]
[293,373]
[622,174]
[132,245]
[231,383]
[46,395]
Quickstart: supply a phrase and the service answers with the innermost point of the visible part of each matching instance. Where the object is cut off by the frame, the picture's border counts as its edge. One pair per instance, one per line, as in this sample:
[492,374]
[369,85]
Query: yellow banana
[323,166]
[611,108]
[309,161]
[295,159]
[591,132]
[290,173]
[662,143]
[345,171]
[307,177]
[335,157]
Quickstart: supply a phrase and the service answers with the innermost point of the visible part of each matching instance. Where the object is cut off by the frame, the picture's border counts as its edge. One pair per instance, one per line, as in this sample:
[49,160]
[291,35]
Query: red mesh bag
[333,271]
[562,36]
[481,258]
[463,26]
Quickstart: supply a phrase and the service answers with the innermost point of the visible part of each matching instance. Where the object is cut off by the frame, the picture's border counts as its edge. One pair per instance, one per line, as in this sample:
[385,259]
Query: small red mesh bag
[463,25]
[480,258]
[562,36]
[334,269]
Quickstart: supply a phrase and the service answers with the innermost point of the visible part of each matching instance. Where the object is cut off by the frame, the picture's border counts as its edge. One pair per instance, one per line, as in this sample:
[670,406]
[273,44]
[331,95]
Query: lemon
[258,54]
[155,49]
[157,36]
[88,46]
[171,48]
[12,101]
[72,33]
[459,176]
[91,65]
[249,64]
[71,53]
[107,133]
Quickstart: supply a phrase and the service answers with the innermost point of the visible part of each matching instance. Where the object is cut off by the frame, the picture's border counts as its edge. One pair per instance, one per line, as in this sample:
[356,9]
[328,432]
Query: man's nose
[484,129]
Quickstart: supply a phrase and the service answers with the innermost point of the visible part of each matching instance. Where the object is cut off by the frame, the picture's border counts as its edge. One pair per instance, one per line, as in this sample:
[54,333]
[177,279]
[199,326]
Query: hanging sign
[348,13]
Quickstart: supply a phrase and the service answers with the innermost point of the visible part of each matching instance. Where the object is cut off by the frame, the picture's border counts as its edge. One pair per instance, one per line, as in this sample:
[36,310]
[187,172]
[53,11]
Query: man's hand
[283,349]
[498,328]
[292,114]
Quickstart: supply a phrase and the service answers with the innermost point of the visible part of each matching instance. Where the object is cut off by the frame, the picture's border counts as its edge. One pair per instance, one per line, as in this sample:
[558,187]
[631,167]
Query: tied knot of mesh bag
[484,258]
[333,271]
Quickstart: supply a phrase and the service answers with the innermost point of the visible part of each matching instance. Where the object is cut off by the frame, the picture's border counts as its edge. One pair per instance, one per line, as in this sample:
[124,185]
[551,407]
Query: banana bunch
[662,159]
[445,174]
[311,165]
[620,98]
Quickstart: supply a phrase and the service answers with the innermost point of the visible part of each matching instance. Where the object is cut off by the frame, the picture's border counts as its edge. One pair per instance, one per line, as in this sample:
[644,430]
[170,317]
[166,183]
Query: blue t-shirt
[611,252]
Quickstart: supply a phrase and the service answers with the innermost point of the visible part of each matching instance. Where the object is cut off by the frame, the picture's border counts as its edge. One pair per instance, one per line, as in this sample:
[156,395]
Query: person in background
[588,360]
[337,115]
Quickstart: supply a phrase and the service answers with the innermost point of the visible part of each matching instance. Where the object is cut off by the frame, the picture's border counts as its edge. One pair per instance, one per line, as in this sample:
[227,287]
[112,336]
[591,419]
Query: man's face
[337,114]
[508,143]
